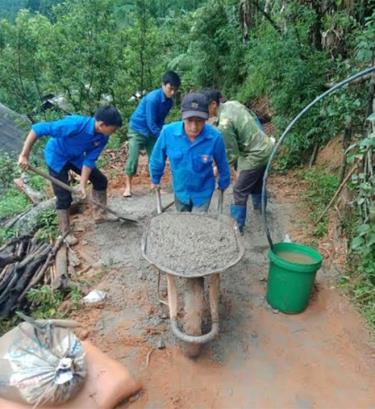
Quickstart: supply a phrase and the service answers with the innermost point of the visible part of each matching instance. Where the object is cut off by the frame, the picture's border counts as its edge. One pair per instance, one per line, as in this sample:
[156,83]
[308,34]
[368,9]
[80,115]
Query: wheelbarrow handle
[220,202]
[159,207]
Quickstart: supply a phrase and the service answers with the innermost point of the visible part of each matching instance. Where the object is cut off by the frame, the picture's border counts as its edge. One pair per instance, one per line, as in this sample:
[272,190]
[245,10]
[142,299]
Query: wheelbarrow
[194,300]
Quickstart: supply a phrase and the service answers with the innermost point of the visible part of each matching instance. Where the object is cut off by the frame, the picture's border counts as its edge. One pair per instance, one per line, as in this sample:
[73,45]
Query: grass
[321,187]
[361,290]
[45,302]
[12,202]
[359,280]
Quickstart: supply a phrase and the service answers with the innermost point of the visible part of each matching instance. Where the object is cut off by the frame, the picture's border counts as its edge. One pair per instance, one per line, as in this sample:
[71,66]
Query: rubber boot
[100,215]
[257,200]
[64,226]
[238,213]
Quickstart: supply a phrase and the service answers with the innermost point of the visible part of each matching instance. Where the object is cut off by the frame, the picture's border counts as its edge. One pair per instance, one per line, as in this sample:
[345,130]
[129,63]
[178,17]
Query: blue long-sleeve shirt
[150,114]
[191,163]
[73,139]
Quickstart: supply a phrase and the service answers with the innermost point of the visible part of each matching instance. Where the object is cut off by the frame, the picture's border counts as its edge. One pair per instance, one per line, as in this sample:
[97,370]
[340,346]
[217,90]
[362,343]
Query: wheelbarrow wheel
[194,304]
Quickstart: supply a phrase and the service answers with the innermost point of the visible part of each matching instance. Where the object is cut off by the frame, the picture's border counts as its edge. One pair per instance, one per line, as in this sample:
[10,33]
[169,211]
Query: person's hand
[212,120]
[23,162]
[155,187]
[216,171]
[81,191]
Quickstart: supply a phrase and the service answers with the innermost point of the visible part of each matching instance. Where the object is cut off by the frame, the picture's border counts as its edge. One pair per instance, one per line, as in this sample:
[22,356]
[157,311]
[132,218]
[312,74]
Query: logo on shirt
[205,158]
[96,143]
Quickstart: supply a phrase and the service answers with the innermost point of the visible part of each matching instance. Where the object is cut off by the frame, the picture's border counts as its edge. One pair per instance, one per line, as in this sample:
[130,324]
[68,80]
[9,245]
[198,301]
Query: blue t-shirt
[73,139]
[191,162]
[149,116]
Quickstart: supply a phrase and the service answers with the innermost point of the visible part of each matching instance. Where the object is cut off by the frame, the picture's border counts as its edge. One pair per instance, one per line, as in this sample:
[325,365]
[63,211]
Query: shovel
[71,190]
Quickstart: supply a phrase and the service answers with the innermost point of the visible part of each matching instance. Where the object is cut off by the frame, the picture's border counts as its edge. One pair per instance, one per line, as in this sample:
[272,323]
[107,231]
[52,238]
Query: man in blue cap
[193,147]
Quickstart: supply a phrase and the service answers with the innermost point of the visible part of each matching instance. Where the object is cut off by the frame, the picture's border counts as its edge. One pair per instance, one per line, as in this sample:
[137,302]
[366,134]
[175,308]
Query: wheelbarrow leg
[172,297]
[214,293]
[194,304]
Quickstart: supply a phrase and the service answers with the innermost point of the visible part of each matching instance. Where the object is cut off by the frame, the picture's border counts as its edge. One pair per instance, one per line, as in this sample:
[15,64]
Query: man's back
[244,140]
[149,116]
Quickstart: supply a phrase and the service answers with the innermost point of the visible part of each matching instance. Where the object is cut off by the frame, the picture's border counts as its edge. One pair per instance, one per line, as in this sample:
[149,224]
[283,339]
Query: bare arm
[23,159]
[85,174]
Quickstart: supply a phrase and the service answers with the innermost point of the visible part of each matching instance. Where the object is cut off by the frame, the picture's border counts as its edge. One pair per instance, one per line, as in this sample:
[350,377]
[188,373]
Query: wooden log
[8,260]
[7,274]
[33,195]
[43,249]
[36,279]
[26,223]
[19,281]
[61,265]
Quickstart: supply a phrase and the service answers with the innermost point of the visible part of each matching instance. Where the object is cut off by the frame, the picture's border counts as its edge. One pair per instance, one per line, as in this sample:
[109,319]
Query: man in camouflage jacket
[247,146]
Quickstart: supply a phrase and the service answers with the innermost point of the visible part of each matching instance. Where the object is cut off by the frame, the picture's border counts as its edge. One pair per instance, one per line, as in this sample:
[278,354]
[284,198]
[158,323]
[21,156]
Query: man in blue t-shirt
[75,144]
[193,147]
[146,122]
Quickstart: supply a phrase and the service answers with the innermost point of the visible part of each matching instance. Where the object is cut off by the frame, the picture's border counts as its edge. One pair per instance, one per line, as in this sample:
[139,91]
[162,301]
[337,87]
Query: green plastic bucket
[290,282]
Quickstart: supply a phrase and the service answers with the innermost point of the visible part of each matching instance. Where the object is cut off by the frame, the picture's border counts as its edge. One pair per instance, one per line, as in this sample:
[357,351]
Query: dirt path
[262,359]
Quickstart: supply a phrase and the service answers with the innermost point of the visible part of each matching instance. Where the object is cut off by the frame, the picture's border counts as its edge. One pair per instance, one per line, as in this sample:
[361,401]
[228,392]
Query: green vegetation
[12,202]
[360,280]
[45,302]
[47,225]
[285,53]
[321,187]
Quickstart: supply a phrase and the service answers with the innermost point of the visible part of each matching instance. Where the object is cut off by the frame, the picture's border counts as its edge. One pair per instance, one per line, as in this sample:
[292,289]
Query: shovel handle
[71,190]
[51,179]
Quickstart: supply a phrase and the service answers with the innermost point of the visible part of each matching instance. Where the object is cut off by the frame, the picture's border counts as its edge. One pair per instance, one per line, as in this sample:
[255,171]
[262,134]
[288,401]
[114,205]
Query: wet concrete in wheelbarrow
[321,358]
[191,245]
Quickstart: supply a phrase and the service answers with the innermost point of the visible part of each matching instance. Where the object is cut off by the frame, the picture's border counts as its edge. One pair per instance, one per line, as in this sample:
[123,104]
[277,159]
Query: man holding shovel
[192,147]
[75,144]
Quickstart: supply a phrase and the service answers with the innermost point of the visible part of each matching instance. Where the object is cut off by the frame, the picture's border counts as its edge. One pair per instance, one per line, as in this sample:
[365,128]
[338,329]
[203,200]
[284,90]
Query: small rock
[95,297]
[83,334]
[150,310]
[275,311]
[142,275]
[98,265]
[84,242]
[161,344]
[134,397]
[164,316]
[66,306]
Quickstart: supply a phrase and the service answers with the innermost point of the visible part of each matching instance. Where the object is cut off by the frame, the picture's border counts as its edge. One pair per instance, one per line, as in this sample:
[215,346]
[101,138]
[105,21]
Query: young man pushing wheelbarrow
[192,147]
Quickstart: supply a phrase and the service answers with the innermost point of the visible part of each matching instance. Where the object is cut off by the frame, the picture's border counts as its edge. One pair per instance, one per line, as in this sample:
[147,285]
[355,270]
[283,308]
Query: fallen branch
[343,183]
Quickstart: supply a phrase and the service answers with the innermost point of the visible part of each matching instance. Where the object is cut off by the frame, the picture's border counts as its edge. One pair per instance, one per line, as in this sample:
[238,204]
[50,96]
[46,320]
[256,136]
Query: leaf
[371,239]
[371,118]
[363,229]
[357,243]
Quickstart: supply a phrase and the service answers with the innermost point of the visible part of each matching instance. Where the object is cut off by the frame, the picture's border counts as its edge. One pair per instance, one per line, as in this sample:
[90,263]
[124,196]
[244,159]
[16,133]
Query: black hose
[282,137]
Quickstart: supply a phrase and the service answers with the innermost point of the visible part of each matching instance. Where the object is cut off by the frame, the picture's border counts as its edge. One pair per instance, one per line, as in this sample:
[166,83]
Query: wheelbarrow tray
[146,241]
